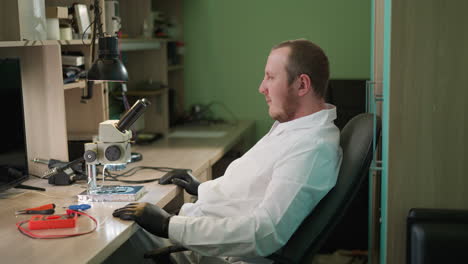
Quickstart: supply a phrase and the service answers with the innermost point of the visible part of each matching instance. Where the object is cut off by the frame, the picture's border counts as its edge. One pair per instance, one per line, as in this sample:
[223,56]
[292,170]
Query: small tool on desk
[79,207]
[52,221]
[44,209]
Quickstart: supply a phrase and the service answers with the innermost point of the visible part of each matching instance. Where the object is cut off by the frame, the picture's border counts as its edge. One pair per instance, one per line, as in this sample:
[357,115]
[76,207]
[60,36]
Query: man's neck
[311,108]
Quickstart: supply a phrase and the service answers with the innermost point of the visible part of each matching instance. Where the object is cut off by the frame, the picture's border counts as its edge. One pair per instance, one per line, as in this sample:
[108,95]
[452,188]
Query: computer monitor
[13,155]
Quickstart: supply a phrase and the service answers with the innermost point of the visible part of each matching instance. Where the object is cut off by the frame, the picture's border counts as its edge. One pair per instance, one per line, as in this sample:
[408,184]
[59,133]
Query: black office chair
[356,142]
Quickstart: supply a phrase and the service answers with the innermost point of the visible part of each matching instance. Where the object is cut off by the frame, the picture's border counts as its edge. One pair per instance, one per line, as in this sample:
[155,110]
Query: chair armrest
[279,259]
[163,253]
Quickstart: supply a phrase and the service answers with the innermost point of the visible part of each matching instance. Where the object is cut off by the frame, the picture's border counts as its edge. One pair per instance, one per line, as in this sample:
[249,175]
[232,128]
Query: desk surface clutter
[195,153]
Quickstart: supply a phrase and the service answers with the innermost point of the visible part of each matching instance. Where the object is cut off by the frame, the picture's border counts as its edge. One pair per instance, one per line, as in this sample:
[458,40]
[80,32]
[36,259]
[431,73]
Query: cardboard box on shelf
[73,60]
[56,12]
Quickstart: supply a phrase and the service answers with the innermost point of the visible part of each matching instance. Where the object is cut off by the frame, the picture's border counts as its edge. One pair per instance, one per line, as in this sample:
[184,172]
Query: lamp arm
[95,26]
[88,91]
[97,18]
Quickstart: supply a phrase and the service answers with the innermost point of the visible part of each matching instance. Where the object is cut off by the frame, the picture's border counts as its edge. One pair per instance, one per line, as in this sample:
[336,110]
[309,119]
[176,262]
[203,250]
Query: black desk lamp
[108,66]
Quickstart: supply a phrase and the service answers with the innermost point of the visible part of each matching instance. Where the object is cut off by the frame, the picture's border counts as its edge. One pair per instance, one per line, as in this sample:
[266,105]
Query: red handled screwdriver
[44,209]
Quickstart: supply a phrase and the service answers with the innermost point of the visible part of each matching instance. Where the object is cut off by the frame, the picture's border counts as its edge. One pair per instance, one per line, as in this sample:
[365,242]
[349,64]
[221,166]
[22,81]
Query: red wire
[31,234]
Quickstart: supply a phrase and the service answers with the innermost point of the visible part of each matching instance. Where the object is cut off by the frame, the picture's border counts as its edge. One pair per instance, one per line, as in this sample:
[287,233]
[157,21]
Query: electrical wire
[115,177]
[89,26]
[133,170]
[130,172]
[37,176]
[125,100]
[235,119]
[97,19]
[207,109]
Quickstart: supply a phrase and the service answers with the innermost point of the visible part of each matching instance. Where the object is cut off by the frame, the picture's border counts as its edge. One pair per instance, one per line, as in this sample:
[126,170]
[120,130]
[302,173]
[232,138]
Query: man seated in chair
[263,197]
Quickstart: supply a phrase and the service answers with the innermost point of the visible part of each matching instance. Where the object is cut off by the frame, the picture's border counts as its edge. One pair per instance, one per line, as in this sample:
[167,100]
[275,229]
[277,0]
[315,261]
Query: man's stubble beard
[288,108]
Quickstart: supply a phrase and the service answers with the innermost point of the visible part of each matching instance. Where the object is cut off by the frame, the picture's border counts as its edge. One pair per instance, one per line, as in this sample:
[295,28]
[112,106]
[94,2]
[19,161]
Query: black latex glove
[149,216]
[182,178]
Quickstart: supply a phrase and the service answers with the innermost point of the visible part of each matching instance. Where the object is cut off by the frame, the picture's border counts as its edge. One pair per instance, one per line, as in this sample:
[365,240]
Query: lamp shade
[111,70]
[108,67]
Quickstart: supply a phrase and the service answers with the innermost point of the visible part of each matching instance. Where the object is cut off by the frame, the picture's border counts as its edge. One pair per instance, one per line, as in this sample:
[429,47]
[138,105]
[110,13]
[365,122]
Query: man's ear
[305,84]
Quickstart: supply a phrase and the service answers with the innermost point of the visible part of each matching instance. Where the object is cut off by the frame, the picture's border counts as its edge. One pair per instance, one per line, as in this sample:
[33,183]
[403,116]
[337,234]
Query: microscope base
[113,193]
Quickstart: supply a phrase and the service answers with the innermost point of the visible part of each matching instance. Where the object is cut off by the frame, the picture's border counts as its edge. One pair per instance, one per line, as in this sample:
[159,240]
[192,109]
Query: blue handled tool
[81,207]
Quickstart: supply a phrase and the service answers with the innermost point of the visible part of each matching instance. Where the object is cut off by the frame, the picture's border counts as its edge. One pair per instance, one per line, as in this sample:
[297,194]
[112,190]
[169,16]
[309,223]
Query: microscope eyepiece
[132,115]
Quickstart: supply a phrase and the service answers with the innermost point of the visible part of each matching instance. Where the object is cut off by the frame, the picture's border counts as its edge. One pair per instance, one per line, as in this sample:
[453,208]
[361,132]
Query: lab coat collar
[322,117]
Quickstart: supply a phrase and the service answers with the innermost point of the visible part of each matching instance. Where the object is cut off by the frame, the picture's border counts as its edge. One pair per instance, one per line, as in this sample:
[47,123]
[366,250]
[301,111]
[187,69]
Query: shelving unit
[32,43]
[147,93]
[54,111]
[139,44]
[79,84]
[146,59]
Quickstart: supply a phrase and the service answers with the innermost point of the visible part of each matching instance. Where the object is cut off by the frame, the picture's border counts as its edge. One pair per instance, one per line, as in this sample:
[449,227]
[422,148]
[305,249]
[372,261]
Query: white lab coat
[263,197]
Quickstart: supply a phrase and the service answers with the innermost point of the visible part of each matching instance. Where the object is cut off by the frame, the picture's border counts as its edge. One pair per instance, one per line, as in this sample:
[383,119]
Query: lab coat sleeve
[299,182]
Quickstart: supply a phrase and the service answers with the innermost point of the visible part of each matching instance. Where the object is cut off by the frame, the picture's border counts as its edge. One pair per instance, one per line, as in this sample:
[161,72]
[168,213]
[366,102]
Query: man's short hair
[308,58]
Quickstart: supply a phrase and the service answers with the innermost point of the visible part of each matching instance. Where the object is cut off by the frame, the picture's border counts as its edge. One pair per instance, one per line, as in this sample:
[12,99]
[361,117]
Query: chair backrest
[356,142]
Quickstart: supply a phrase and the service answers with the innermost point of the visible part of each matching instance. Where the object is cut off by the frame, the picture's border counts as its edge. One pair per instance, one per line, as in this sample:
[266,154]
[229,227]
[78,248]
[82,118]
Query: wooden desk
[198,154]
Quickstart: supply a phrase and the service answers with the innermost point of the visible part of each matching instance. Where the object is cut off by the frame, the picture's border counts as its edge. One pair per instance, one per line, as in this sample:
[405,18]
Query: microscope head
[113,147]
[108,132]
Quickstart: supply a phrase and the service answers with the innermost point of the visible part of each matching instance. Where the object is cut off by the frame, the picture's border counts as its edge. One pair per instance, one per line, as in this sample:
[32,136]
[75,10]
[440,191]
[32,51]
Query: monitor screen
[13,158]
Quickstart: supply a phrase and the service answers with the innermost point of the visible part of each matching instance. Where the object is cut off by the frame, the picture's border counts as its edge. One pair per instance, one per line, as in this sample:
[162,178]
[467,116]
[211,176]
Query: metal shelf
[78,84]
[140,44]
[33,43]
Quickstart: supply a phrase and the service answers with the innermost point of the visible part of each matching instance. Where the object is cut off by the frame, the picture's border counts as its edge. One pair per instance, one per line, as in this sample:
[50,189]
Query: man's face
[280,97]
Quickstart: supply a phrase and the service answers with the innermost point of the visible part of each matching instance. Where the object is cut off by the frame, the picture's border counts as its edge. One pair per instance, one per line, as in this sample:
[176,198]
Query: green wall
[228,41]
